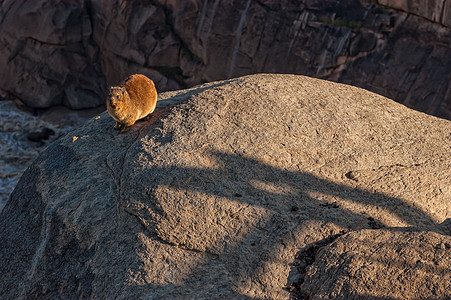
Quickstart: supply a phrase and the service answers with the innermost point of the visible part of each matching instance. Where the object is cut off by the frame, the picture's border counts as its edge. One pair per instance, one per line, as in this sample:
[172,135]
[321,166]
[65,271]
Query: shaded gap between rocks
[305,258]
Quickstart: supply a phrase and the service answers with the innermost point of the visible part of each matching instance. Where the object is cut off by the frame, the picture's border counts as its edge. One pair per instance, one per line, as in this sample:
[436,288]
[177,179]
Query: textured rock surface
[435,10]
[17,151]
[216,195]
[47,55]
[24,133]
[80,47]
[382,264]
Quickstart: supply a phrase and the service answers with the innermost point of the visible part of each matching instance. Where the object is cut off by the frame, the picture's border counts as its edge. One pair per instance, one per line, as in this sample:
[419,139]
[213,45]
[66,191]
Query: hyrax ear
[122,90]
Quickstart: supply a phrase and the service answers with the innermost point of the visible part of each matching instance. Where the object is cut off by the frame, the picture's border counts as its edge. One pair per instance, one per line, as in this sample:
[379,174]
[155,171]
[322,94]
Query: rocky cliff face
[47,55]
[261,187]
[438,11]
[80,47]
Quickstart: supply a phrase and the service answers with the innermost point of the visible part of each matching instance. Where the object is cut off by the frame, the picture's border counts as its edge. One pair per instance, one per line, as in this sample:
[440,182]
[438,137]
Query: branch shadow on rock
[235,180]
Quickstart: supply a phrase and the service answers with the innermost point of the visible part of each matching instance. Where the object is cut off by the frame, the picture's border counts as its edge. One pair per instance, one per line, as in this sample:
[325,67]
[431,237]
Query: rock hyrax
[134,99]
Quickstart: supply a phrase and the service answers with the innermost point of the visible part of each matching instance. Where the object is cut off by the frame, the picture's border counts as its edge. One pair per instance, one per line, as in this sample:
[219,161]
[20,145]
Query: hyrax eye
[117,96]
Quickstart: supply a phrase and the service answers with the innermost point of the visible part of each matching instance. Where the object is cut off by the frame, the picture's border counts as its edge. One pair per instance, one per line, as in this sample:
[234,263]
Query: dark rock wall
[68,52]
[47,56]
[438,11]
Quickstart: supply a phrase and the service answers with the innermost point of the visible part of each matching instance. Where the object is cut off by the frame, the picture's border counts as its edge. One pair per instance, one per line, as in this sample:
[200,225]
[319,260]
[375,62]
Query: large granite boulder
[250,188]
[68,52]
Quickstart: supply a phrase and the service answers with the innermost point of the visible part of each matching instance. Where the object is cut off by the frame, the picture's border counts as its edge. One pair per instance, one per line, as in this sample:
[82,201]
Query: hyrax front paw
[125,128]
[118,126]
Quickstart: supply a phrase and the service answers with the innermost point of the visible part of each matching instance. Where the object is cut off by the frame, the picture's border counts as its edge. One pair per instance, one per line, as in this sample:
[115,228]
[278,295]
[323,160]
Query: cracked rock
[381,264]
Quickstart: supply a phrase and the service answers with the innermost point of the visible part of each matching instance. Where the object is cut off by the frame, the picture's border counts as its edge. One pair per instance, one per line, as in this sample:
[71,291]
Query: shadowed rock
[223,189]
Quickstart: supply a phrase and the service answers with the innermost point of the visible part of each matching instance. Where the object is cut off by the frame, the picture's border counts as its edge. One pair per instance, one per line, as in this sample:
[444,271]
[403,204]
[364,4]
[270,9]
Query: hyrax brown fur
[134,99]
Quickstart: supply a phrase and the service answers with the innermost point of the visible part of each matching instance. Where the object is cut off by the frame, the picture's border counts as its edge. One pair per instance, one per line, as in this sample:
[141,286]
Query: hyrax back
[134,99]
